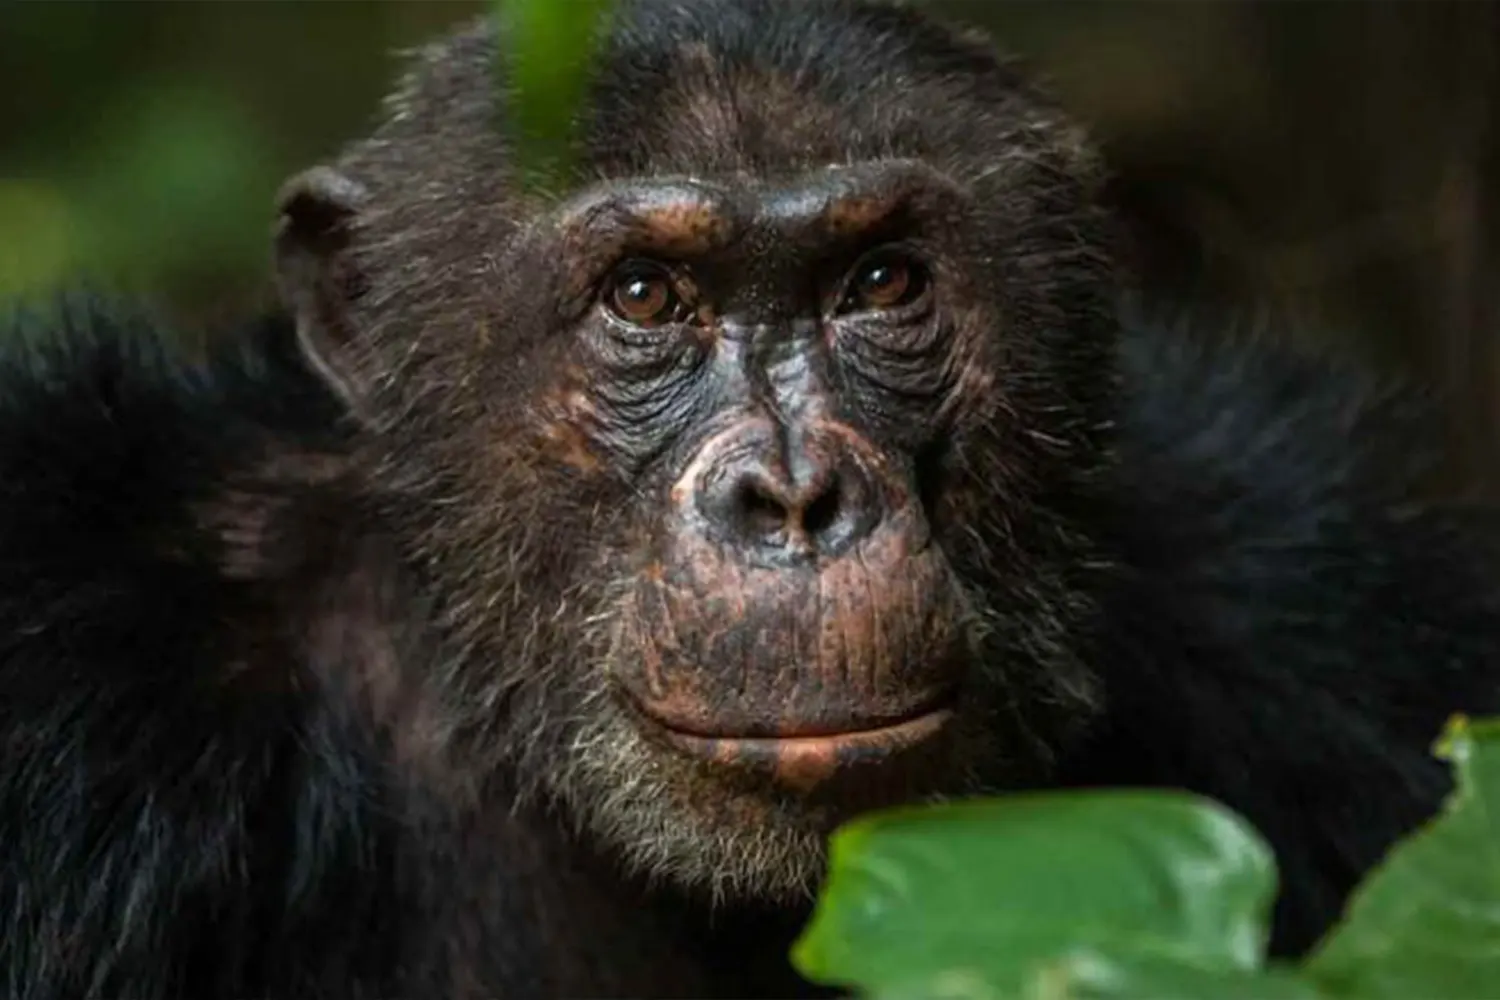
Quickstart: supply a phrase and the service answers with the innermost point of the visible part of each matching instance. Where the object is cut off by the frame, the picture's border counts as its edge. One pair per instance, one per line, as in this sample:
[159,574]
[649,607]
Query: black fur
[1291,588]
[165,830]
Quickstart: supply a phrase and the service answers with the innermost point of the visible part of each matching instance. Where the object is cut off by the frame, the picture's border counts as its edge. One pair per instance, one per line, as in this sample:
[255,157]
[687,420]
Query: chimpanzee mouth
[802,759]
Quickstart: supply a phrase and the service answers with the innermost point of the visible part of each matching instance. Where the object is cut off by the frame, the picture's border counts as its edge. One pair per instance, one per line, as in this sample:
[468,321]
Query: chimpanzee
[516,609]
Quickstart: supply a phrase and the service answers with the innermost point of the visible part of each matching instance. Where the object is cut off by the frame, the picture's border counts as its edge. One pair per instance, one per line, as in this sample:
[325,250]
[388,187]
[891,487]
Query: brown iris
[643,293]
[885,280]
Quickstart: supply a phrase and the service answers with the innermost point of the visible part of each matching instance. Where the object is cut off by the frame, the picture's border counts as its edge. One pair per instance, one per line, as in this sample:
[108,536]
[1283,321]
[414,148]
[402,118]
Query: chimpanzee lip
[805,760]
[681,724]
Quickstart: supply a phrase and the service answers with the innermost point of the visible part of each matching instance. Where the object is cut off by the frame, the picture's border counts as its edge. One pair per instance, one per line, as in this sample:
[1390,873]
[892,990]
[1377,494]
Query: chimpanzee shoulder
[113,432]
[1296,610]
[173,798]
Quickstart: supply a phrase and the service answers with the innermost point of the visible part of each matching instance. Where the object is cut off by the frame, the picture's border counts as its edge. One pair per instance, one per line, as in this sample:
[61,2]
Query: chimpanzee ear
[317,276]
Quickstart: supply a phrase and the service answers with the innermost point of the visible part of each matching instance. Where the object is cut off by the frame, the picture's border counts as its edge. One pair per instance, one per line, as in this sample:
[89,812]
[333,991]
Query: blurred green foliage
[160,194]
[547,48]
[142,144]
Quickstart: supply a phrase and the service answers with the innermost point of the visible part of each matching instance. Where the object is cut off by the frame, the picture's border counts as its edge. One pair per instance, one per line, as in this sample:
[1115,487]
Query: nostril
[823,513]
[819,509]
[760,512]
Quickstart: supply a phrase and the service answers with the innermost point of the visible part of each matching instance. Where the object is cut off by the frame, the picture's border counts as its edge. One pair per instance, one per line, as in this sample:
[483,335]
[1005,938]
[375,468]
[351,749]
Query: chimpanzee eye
[886,279]
[644,293]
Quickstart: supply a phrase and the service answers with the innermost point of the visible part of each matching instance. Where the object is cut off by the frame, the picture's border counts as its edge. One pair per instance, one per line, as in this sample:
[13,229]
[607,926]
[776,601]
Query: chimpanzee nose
[819,504]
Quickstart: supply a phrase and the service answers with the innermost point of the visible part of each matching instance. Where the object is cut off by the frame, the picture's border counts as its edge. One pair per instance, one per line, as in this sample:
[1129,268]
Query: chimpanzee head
[745,467]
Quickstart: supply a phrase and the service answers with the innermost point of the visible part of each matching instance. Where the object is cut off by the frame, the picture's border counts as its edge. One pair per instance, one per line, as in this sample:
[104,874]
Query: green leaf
[1087,974]
[546,50]
[1097,976]
[1427,921]
[1003,893]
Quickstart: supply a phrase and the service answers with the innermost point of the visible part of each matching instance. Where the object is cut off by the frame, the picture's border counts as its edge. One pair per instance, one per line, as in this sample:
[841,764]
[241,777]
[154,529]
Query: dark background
[1337,162]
